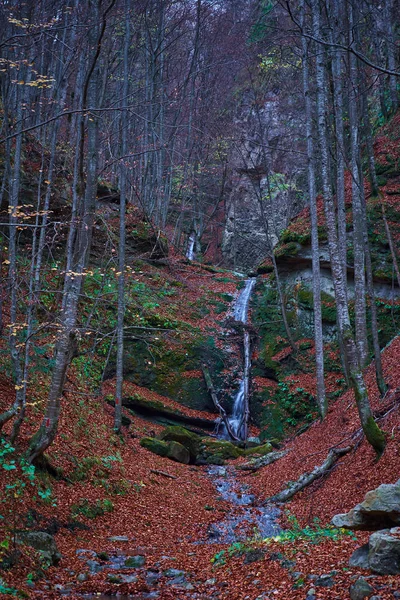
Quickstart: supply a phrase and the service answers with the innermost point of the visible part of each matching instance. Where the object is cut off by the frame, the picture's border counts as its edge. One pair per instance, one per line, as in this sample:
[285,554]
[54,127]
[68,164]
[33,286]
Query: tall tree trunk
[360,308]
[371,430]
[318,336]
[121,248]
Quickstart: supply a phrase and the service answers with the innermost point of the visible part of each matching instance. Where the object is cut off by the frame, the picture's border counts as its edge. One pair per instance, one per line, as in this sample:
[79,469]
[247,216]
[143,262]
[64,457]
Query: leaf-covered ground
[164,519]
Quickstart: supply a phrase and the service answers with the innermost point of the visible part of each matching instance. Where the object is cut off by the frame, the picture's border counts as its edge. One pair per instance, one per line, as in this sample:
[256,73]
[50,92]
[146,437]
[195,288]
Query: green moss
[189,440]
[221,449]
[259,450]
[293,236]
[156,446]
[288,250]
[375,436]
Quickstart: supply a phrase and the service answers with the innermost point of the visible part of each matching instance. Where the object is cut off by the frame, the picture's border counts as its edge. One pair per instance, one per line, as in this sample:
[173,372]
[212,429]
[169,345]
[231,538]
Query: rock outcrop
[379,509]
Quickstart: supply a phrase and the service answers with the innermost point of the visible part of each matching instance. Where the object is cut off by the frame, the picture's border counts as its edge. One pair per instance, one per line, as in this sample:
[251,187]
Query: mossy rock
[191,441]
[221,449]
[259,450]
[178,453]
[265,267]
[287,250]
[156,446]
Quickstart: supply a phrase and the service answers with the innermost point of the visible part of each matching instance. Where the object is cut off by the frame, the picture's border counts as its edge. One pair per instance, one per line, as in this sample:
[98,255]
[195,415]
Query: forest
[200,299]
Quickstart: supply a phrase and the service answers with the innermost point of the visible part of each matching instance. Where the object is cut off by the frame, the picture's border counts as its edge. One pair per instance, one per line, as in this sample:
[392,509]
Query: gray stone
[177,581]
[210,582]
[384,552]
[173,573]
[135,562]
[361,589]
[82,577]
[359,558]
[118,538]
[43,542]
[324,581]
[380,508]
[152,577]
[94,566]
[252,442]
[84,552]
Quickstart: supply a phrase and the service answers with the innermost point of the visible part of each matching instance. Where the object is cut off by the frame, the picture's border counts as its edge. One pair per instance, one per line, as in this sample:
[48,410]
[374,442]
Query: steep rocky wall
[268,178]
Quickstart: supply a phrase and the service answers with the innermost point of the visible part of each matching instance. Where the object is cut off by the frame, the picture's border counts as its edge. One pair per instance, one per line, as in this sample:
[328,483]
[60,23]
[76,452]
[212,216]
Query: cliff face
[268,178]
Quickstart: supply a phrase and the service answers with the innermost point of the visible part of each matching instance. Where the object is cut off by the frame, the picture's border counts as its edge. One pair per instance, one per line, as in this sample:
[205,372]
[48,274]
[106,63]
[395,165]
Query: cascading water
[190,249]
[238,420]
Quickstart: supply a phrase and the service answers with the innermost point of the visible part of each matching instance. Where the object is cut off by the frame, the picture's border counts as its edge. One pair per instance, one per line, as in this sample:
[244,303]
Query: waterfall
[239,417]
[190,249]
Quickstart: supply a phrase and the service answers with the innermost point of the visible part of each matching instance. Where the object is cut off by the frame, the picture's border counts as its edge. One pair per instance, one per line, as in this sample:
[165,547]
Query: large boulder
[43,542]
[380,509]
[156,446]
[191,441]
[384,552]
[178,453]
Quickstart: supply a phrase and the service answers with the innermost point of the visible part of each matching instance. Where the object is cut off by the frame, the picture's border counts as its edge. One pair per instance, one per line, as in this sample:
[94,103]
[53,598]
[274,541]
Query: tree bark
[308,478]
[318,336]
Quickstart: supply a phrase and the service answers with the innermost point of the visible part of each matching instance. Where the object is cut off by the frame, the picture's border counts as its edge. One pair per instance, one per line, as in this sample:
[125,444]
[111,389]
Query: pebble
[118,538]
[82,577]
[210,582]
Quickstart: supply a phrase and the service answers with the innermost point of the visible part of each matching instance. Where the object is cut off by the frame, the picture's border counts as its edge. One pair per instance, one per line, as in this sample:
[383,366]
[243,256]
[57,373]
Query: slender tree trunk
[121,252]
[360,308]
[318,336]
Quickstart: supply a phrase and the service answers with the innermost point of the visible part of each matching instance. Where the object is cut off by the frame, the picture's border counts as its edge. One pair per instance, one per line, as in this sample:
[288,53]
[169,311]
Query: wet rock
[379,509]
[361,589]
[359,558]
[94,566]
[152,577]
[173,573]
[251,442]
[384,552]
[324,581]
[44,543]
[84,552]
[135,562]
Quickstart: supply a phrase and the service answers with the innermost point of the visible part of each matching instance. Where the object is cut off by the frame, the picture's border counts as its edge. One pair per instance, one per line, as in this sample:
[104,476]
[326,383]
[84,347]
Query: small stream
[247,522]
[244,521]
